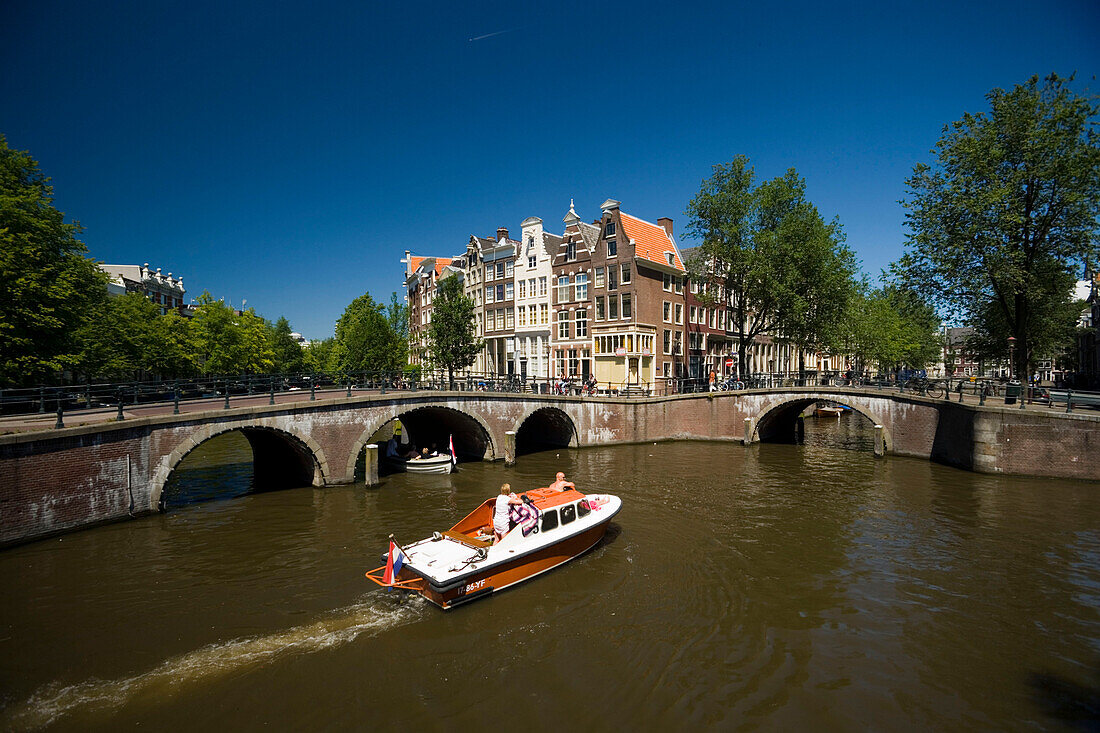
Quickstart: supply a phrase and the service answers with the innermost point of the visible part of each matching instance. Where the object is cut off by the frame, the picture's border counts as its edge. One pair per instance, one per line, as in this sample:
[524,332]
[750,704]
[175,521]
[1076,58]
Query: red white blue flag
[394,561]
[454,461]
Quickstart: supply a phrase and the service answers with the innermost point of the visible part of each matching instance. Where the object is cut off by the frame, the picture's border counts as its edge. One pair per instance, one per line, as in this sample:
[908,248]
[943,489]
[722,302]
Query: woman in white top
[500,511]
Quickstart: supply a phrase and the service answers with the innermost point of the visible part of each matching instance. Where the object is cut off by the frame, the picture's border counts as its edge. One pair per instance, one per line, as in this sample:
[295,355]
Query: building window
[668,283]
[679,313]
[489,290]
[612,249]
[531,286]
[521,315]
[678,283]
[612,278]
[522,289]
[500,271]
[694,287]
[599,307]
[563,289]
[509,291]
[610,230]
[721,320]
[582,323]
[710,318]
[563,325]
[500,319]
[500,293]
[508,270]
[532,262]
[599,277]
[581,287]
[543,314]
[509,319]
[542,286]
[668,344]
[691,315]
[612,307]
[570,251]
[668,312]
[626,305]
[626,274]
[678,343]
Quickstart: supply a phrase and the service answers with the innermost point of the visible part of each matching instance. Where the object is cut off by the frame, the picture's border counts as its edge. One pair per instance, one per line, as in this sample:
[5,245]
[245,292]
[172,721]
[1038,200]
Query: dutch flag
[454,460]
[394,561]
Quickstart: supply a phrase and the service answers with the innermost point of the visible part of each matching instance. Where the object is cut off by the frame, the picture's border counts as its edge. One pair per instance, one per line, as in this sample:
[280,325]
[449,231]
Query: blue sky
[288,153]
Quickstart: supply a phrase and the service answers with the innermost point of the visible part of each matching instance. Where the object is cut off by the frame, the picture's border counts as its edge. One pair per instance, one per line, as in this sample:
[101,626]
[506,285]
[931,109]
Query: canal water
[779,587]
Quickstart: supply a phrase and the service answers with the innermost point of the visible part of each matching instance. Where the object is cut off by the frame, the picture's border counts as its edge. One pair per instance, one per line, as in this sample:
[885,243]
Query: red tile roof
[440,263]
[651,242]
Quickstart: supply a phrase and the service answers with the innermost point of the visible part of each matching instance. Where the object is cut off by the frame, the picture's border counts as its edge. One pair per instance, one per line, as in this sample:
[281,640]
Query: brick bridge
[74,477]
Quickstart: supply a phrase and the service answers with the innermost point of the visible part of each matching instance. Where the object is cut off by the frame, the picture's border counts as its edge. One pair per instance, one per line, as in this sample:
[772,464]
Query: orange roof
[440,263]
[651,242]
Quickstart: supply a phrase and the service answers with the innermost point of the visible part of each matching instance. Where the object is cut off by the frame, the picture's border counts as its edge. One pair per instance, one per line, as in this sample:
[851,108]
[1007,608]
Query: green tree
[366,340]
[452,337]
[48,288]
[890,328]
[319,356]
[288,355]
[228,342]
[1007,213]
[779,267]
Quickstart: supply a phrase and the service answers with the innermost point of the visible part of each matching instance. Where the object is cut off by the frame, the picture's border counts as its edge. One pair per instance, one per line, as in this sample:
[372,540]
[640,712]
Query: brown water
[775,587]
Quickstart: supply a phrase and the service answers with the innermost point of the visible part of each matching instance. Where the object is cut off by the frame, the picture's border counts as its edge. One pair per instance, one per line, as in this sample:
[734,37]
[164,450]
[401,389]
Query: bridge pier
[880,443]
[370,466]
[748,432]
[510,448]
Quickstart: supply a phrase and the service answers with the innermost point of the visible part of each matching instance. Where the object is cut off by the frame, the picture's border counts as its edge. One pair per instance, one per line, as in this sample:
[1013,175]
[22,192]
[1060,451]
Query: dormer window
[671,258]
[610,230]
[570,251]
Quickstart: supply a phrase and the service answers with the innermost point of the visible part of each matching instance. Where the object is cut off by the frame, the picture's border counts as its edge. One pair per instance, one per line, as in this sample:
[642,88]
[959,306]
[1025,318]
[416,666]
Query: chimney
[502,234]
[665,222]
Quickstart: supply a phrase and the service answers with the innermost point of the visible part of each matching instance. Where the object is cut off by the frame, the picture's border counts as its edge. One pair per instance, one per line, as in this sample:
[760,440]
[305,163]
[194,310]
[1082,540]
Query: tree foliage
[452,337]
[228,341]
[48,287]
[366,339]
[780,268]
[890,328]
[1006,215]
[287,353]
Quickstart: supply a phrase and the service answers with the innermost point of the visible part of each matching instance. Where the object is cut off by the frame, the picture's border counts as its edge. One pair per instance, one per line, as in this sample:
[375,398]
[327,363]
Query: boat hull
[492,578]
[439,464]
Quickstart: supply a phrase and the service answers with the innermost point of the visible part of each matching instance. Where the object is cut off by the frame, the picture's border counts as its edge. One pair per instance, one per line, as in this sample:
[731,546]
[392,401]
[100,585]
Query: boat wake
[372,616]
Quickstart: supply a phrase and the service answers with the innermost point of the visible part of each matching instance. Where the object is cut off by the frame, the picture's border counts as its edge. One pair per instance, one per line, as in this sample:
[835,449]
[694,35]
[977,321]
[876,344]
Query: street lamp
[1011,351]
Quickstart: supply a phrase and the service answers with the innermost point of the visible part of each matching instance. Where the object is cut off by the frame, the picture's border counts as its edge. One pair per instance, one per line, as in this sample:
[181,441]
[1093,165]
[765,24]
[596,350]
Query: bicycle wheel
[935,391]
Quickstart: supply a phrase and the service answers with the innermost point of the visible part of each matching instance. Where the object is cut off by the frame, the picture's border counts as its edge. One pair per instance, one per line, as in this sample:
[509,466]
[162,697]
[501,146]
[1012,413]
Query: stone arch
[260,433]
[778,411]
[558,430]
[480,444]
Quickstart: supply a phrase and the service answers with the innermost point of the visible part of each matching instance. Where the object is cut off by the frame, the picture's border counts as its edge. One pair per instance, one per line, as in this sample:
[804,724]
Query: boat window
[568,513]
[583,508]
[549,519]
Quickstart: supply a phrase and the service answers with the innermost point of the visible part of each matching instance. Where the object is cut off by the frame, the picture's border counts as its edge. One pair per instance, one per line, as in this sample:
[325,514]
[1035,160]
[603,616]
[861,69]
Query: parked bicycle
[925,387]
[731,383]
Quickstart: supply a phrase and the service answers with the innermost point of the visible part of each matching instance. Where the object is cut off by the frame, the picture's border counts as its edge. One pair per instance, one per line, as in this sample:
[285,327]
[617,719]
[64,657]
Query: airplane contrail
[490,35]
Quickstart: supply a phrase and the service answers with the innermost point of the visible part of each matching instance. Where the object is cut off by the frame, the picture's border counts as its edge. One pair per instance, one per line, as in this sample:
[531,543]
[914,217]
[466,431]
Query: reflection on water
[774,586]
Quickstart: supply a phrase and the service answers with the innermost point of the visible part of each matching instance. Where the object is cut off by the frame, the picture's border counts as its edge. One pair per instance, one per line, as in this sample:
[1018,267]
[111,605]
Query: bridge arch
[544,428]
[434,423]
[281,457]
[775,415]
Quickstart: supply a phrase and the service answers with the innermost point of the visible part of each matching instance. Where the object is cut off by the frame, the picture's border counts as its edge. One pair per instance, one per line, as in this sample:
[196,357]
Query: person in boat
[393,450]
[426,454]
[560,484]
[500,511]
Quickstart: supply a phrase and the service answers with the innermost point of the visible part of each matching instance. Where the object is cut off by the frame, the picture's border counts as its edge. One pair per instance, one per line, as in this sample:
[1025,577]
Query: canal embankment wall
[65,479]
